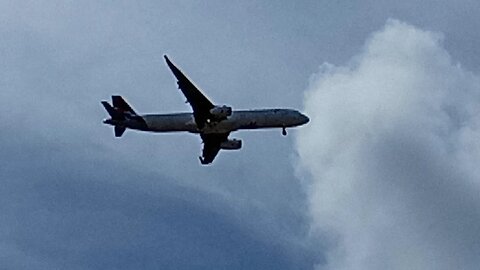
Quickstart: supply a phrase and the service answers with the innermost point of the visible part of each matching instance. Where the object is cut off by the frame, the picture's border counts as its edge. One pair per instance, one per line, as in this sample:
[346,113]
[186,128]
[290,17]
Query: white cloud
[393,153]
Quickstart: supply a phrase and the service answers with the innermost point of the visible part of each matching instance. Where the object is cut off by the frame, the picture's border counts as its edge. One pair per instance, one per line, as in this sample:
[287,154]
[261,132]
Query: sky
[385,174]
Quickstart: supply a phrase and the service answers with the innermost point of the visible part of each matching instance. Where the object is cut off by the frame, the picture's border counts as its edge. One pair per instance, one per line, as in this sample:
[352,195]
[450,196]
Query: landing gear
[284,131]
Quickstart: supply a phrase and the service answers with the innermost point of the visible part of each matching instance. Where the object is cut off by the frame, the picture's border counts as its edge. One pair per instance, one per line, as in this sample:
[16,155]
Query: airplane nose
[304,119]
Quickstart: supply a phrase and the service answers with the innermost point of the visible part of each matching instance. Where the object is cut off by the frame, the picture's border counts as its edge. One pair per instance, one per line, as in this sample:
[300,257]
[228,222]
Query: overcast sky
[385,176]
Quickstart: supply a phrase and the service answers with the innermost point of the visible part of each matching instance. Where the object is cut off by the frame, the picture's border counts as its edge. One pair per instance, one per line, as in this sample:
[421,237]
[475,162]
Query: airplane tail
[120,104]
[113,112]
[119,112]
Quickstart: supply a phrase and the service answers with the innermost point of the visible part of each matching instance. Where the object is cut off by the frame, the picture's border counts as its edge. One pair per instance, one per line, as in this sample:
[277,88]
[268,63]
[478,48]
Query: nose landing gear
[284,131]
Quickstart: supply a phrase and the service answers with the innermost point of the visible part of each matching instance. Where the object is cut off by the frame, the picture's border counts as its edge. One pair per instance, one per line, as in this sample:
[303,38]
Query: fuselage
[241,119]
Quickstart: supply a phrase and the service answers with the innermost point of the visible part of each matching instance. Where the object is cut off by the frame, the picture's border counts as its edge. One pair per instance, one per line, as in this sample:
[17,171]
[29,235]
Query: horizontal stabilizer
[119,131]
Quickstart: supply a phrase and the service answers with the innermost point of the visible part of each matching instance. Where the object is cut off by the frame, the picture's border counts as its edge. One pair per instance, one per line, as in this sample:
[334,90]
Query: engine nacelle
[221,112]
[233,144]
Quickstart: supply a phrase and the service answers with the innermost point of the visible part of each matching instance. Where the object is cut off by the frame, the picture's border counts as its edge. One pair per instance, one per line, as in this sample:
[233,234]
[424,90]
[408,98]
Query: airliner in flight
[214,123]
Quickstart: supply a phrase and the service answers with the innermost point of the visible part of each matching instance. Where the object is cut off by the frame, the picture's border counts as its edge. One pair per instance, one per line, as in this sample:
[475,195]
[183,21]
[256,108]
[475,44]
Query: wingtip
[169,63]
[172,67]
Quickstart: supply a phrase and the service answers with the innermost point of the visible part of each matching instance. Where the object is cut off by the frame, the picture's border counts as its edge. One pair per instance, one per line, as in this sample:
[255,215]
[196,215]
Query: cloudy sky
[385,176]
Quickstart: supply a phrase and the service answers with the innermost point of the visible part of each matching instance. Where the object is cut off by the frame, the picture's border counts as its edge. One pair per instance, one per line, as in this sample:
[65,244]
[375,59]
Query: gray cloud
[391,153]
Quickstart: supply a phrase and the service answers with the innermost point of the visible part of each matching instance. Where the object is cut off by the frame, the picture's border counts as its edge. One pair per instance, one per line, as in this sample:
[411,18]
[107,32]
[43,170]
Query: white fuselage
[245,119]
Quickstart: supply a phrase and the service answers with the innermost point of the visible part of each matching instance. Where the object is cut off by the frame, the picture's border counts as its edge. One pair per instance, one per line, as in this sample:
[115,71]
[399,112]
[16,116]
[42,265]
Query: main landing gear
[284,131]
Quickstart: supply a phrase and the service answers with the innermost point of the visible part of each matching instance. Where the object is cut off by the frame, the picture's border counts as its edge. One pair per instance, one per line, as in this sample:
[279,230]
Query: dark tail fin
[115,114]
[121,105]
[119,112]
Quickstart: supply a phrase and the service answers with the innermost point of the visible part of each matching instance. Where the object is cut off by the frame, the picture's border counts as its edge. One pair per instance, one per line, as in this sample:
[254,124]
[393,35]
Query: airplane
[214,123]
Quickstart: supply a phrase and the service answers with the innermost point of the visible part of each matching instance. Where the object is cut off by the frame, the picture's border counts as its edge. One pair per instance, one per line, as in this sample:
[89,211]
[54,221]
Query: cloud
[392,152]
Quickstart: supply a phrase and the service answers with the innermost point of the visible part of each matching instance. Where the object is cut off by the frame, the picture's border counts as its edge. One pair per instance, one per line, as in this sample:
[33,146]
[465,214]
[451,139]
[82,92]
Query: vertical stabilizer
[121,105]
[115,114]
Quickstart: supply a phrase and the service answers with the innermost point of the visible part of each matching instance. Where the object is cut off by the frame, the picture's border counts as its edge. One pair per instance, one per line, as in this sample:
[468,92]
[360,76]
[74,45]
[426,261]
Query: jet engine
[221,112]
[233,144]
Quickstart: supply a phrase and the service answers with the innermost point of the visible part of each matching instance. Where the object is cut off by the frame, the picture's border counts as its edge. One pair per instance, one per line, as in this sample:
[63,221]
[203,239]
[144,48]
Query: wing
[211,146]
[200,104]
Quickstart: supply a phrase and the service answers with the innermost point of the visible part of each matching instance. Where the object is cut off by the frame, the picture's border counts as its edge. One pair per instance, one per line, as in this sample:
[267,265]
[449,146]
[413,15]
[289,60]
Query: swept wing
[201,111]
[200,104]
